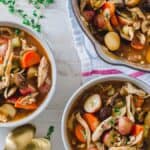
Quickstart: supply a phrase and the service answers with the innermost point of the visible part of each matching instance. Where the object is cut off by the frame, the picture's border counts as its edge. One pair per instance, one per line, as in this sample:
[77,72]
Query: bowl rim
[85,86]
[100,49]
[45,44]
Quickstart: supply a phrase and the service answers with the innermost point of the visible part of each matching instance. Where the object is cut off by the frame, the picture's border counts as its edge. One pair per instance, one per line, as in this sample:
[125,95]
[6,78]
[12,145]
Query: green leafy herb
[49,132]
[32,20]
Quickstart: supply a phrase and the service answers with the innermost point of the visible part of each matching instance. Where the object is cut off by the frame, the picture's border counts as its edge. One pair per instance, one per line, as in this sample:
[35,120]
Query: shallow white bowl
[46,46]
[86,86]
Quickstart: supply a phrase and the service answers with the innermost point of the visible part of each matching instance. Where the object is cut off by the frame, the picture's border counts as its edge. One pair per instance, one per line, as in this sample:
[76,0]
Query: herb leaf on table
[32,20]
[49,132]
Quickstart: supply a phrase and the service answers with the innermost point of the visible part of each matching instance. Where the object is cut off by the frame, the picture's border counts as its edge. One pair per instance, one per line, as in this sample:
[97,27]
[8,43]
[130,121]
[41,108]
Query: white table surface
[57,29]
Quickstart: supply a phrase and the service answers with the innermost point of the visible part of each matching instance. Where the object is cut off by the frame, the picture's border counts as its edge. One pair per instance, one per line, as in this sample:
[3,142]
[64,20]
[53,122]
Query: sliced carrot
[138,101]
[114,20]
[91,120]
[110,6]
[137,129]
[136,44]
[30,58]
[80,133]
[26,107]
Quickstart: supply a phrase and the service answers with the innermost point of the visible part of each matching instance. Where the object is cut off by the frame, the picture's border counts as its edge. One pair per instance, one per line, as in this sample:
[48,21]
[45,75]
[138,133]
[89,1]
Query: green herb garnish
[32,20]
[49,132]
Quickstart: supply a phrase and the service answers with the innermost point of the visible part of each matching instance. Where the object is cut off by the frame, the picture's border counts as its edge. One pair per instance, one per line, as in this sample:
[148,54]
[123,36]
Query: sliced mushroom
[127,32]
[137,11]
[93,103]
[20,137]
[130,89]
[130,111]
[42,71]
[39,144]
[137,25]
[105,125]
[86,127]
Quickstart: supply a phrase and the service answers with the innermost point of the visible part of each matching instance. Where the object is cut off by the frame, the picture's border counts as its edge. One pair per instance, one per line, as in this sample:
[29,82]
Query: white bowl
[86,86]
[49,96]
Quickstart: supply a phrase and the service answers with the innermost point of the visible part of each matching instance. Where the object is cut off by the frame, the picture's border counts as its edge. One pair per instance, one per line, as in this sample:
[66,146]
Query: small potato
[93,104]
[124,125]
[112,41]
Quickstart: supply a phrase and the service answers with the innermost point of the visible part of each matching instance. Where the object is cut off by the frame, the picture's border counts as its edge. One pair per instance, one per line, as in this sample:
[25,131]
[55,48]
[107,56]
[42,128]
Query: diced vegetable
[16,42]
[124,125]
[112,41]
[93,103]
[91,120]
[80,133]
[32,106]
[100,21]
[109,6]
[29,59]
[136,129]
[114,20]
[32,72]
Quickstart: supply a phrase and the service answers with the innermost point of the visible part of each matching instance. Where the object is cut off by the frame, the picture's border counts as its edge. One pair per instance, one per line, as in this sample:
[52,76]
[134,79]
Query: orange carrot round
[30,58]
[91,120]
[80,133]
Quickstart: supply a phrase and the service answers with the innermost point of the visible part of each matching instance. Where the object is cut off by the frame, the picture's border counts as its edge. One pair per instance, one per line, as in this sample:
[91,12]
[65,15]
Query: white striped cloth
[91,64]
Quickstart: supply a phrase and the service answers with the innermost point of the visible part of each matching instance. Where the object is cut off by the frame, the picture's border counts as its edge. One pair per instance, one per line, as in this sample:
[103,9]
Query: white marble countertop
[57,29]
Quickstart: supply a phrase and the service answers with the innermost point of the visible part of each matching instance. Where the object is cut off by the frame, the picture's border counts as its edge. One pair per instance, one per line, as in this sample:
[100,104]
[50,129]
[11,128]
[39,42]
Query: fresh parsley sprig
[32,20]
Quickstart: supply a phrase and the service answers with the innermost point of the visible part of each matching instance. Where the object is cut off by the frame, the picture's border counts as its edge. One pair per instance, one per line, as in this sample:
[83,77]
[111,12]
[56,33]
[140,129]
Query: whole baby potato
[112,41]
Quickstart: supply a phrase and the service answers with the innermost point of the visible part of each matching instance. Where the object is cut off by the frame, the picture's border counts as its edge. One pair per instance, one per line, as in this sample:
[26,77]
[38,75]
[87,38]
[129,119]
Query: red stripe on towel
[102,72]
[137,74]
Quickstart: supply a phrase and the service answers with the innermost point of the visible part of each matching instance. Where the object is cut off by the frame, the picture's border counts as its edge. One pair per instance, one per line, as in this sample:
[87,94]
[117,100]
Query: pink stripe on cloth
[102,72]
[137,74]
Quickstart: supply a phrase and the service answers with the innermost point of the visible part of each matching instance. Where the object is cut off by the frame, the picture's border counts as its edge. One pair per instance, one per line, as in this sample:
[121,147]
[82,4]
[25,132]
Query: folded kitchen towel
[91,64]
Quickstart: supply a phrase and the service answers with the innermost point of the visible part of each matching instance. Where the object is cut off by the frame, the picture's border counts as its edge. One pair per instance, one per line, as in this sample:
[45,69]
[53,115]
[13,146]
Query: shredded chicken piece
[130,113]
[105,125]
[42,71]
[8,69]
[29,99]
[86,127]
[130,89]
[25,46]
